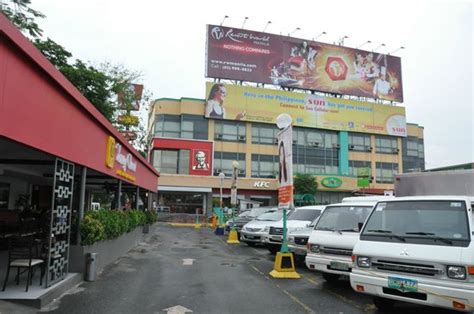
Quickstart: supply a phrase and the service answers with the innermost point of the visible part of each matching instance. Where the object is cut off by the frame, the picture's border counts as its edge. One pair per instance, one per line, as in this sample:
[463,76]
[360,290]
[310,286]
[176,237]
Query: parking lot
[197,270]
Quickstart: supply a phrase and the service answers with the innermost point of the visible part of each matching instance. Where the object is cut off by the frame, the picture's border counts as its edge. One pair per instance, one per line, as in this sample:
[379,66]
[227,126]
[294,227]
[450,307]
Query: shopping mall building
[180,135]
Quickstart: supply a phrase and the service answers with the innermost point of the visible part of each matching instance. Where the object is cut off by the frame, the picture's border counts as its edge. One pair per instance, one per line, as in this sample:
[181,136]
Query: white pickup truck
[418,249]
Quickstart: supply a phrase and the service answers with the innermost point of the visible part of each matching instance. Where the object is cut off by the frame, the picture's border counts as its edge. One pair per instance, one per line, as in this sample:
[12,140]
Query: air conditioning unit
[276,141]
[219,136]
[351,147]
[242,138]
[369,149]
[336,146]
[314,144]
[295,142]
[396,150]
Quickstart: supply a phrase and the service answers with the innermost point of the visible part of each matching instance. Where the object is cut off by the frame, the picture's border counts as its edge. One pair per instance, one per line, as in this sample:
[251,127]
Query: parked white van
[334,236]
[420,250]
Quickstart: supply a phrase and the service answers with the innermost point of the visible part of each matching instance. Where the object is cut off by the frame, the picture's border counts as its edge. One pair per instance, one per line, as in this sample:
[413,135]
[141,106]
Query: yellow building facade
[178,131]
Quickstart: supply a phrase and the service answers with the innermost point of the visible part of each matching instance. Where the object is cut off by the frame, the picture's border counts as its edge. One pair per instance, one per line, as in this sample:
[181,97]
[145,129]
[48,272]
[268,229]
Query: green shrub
[110,224]
[151,217]
[92,230]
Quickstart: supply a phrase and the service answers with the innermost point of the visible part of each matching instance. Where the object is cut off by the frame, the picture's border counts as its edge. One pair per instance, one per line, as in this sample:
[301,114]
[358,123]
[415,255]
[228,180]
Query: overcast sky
[166,41]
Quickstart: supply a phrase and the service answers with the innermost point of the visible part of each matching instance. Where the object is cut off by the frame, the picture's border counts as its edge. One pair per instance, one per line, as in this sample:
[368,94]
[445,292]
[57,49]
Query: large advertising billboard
[245,55]
[237,102]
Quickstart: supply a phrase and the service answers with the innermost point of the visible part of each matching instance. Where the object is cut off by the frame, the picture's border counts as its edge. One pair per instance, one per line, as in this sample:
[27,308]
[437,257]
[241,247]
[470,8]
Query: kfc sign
[261,184]
[201,162]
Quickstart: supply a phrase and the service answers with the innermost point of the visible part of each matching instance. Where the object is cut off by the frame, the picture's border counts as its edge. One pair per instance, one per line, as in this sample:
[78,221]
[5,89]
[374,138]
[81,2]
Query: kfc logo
[200,161]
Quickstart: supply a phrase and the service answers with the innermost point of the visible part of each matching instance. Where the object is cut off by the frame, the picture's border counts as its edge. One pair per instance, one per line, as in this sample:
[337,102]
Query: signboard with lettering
[119,159]
[240,54]
[245,103]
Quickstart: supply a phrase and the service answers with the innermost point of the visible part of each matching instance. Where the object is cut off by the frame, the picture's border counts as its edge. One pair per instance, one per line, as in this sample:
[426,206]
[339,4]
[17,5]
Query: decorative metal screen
[60,226]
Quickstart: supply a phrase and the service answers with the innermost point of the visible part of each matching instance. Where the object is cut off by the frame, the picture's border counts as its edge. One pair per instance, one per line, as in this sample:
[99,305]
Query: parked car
[419,250]
[252,232]
[299,219]
[298,240]
[247,216]
[334,236]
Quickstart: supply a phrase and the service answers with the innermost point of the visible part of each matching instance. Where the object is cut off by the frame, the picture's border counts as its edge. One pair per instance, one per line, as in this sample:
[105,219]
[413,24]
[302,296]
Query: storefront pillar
[137,197]
[118,195]
[82,197]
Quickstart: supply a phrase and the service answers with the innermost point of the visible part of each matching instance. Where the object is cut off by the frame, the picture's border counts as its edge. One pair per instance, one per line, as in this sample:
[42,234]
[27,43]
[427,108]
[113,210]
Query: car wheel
[251,243]
[273,249]
[383,304]
[330,277]
[299,259]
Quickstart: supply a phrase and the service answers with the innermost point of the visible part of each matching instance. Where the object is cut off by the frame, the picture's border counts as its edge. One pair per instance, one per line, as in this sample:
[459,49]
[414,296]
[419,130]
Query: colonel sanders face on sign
[201,163]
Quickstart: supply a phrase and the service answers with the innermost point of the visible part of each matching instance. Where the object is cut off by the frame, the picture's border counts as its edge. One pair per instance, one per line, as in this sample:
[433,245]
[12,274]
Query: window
[185,126]
[359,142]
[223,163]
[413,154]
[264,166]
[193,126]
[386,145]
[386,172]
[357,164]
[229,131]
[264,134]
[171,161]
[167,126]
[4,195]
[315,151]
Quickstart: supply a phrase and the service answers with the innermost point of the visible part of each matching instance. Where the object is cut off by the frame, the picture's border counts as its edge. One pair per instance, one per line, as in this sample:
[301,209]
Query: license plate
[339,266]
[250,237]
[276,238]
[402,284]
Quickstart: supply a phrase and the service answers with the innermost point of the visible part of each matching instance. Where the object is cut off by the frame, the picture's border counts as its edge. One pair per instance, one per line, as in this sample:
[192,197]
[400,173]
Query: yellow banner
[236,102]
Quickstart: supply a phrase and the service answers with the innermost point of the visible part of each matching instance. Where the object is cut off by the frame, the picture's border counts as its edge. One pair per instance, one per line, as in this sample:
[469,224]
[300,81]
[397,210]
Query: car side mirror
[360,225]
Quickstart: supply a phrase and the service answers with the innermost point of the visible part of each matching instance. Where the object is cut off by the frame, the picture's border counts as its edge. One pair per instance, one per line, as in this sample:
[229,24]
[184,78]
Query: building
[179,130]
[56,149]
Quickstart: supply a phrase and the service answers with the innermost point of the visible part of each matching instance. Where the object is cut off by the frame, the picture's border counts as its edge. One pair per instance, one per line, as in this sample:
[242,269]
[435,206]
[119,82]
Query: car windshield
[343,218]
[244,214]
[304,214]
[273,216]
[257,211]
[424,222]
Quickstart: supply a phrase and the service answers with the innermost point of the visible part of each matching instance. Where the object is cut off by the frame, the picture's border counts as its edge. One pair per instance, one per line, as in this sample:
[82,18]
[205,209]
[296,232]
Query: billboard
[237,102]
[285,174]
[131,97]
[245,55]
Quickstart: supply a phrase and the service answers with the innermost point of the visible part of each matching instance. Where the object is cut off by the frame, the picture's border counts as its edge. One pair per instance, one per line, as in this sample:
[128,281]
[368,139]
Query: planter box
[107,251]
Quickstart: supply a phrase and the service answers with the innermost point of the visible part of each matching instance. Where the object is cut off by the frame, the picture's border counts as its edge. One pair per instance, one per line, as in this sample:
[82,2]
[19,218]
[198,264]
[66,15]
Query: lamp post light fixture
[367,42]
[381,45]
[268,23]
[319,35]
[296,29]
[400,48]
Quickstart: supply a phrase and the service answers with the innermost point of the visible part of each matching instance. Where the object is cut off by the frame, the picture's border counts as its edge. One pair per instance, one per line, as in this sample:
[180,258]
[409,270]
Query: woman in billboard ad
[215,103]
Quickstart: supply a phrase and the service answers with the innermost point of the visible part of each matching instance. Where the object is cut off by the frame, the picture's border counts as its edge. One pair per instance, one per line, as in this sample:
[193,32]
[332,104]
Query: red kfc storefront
[187,168]
[57,151]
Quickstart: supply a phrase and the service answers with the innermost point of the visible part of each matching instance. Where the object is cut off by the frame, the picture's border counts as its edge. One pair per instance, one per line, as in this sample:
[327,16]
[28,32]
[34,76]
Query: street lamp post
[221,177]
[233,237]
[219,227]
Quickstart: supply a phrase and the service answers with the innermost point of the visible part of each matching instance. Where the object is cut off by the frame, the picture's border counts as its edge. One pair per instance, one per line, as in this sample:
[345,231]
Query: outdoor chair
[22,254]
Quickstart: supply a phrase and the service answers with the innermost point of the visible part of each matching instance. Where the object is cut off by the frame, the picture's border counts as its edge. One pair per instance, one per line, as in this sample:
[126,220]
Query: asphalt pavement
[185,269]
